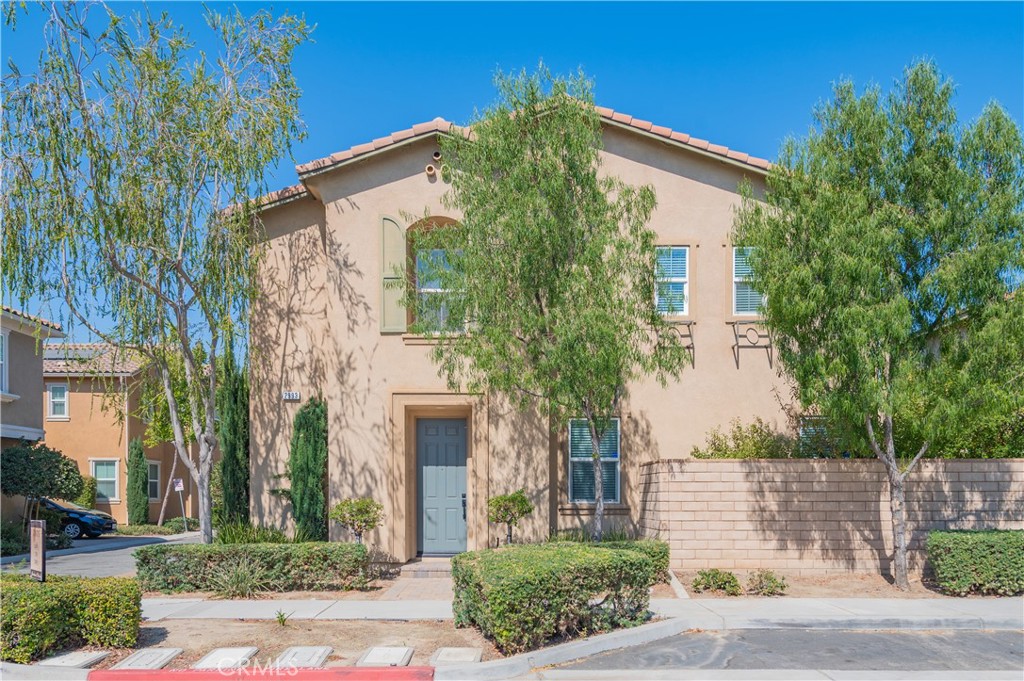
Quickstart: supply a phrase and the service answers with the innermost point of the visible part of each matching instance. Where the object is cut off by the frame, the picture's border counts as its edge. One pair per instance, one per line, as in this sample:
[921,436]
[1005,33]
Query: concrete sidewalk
[737,613]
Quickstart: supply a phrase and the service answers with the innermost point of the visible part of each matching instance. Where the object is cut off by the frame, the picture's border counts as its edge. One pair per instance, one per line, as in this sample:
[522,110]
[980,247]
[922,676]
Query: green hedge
[985,561]
[654,549]
[38,618]
[311,566]
[522,596]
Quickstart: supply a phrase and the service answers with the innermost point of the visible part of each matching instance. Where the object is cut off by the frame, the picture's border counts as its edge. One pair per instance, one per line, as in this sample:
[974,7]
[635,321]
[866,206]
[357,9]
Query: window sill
[734,319]
[6,397]
[58,418]
[588,509]
[416,339]
[109,502]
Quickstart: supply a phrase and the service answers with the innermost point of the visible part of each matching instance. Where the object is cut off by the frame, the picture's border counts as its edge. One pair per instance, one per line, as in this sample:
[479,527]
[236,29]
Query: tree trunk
[508,535]
[167,490]
[205,497]
[595,441]
[897,506]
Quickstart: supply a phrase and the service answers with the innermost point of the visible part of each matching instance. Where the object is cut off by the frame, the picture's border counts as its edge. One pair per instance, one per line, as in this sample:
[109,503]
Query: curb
[20,672]
[523,664]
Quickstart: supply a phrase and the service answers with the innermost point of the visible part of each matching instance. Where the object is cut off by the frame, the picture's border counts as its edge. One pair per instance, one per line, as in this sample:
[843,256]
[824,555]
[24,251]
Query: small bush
[986,561]
[358,515]
[656,550]
[766,583]
[39,617]
[755,441]
[717,580]
[12,538]
[508,510]
[521,596]
[246,533]
[143,530]
[312,566]
[240,577]
[177,525]
[87,498]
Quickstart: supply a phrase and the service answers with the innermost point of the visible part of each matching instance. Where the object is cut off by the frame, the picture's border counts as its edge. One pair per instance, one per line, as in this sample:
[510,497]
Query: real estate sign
[37,550]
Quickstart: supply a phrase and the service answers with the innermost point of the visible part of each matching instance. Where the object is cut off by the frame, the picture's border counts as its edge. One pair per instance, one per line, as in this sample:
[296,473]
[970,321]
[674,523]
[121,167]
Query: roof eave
[686,147]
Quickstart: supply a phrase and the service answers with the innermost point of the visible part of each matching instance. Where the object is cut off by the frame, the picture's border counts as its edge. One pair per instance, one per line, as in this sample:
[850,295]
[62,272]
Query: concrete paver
[443,656]
[385,656]
[75,660]
[226,658]
[420,589]
[302,657]
[148,658]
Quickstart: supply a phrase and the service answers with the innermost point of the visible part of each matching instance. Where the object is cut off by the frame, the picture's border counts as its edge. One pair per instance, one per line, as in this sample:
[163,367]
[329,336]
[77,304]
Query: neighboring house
[326,323]
[86,389]
[21,382]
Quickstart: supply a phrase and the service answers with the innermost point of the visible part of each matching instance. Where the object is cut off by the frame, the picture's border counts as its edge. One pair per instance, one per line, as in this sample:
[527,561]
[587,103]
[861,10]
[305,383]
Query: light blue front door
[441,481]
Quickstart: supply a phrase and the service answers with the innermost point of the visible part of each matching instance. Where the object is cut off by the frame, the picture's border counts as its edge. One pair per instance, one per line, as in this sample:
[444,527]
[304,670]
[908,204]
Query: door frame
[406,407]
[421,549]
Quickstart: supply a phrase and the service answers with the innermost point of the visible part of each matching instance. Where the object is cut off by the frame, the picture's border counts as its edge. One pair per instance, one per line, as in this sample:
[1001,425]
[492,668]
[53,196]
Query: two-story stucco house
[326,323]
[91,407]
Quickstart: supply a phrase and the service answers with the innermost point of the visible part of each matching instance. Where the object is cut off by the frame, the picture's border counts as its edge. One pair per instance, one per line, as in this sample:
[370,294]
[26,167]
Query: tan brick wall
[817,516]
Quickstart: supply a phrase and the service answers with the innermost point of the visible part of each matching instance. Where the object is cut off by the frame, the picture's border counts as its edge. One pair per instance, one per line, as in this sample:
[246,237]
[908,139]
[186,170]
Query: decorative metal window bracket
[685,331]
[749,335]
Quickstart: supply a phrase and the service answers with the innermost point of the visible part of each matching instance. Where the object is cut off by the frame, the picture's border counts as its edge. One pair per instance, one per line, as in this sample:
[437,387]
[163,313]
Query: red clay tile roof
[441,125]
[281,195]
[61,359]
[31,318]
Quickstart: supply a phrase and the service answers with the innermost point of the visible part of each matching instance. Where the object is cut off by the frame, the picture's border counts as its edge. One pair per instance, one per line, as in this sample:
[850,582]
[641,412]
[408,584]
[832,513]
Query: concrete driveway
[106,556]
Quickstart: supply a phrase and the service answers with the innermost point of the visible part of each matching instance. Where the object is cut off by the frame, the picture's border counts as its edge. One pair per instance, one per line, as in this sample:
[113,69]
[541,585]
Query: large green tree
[552,266]
[129,157]
[889,246]
[234,438]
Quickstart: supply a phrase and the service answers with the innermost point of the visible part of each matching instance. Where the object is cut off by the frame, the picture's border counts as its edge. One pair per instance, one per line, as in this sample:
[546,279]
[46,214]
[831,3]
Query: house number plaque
[290,395]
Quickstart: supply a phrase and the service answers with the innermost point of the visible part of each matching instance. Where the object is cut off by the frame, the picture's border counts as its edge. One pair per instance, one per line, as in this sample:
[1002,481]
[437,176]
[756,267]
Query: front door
[441,484]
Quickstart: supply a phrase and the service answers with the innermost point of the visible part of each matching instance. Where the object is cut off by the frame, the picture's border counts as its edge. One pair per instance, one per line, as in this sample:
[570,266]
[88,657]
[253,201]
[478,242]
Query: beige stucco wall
[25,379]
[818,516]
[316,329]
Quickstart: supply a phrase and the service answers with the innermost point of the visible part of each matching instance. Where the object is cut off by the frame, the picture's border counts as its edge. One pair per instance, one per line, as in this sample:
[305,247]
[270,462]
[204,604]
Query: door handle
[463,506]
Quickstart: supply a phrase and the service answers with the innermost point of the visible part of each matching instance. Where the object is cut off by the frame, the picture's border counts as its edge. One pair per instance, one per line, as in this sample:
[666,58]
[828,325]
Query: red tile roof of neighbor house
[441,125]
[31,318]
[99,359]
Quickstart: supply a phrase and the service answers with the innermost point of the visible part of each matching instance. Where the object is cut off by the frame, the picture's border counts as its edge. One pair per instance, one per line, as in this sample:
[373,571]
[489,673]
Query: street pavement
[761,649]
[106,556]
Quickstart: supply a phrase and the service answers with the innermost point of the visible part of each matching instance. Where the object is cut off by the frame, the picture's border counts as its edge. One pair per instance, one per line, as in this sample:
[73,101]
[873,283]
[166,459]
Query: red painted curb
[304,674]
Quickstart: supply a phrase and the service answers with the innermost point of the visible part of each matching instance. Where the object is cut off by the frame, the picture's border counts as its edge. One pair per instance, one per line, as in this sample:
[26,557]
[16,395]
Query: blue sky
[740,74]
[745,75]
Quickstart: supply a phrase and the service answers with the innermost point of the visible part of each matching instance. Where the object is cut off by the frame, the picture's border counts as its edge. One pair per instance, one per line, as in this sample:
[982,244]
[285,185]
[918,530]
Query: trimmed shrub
[39,617]
[657,551]
[307,468]
[312,566]
[766,583]
[12,538]
[358,515]
[978,561]
[177,525]
[246,533]
[717,580]
[508,510]
[87,498]
[143,530]
[523,595]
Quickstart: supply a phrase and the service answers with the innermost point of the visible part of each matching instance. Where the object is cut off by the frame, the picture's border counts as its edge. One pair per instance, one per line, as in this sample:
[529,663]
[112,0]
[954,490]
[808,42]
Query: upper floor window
[581,462]
[745,299]
[433,297]
[57,404]
[672,280]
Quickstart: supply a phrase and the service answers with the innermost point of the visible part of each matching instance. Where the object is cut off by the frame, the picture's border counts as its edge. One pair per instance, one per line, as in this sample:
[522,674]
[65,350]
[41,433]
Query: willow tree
[129,157]
[544,292]
[889,247]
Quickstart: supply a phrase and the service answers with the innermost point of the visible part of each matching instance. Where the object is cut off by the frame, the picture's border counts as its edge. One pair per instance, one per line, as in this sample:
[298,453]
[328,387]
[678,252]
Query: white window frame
[590,462]
[5,351]
[421,290]
[685,281]
[117,477]
[737,280]
[50,416]
[159,472]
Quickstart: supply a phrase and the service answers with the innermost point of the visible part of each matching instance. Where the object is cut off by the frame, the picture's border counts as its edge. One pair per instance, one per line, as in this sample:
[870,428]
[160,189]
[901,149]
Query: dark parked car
[77,521]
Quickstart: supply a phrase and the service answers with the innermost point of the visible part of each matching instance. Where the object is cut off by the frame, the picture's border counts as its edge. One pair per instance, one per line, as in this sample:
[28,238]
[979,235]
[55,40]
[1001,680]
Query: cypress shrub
[234,440]
[138,484]
[308,469]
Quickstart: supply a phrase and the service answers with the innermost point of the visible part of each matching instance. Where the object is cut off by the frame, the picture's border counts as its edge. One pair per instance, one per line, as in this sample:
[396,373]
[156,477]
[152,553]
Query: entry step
[427,567]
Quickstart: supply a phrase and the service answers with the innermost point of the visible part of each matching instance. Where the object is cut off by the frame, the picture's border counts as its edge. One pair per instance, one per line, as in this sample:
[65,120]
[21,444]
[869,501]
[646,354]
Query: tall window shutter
[393,255]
